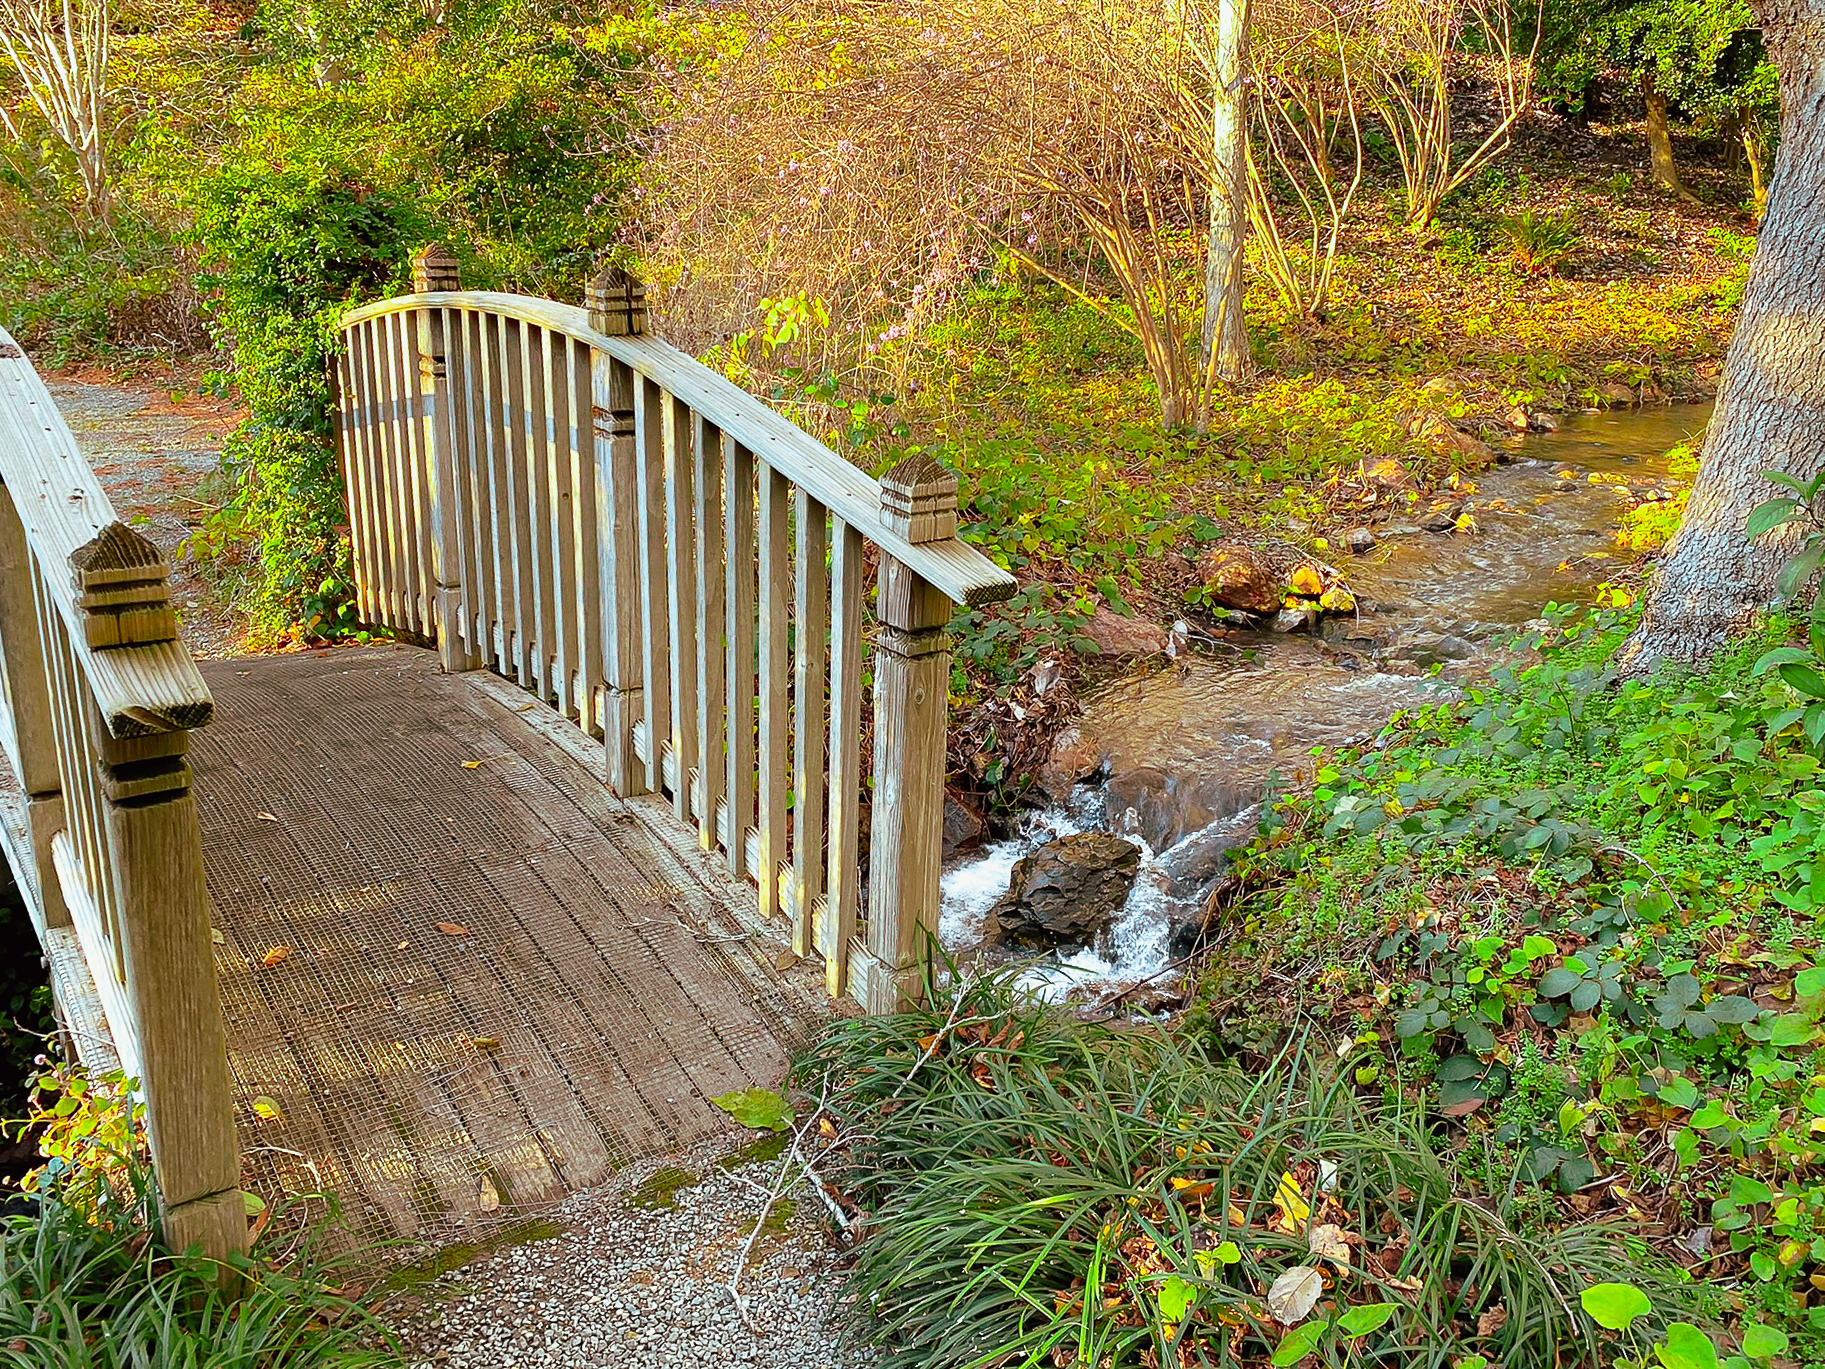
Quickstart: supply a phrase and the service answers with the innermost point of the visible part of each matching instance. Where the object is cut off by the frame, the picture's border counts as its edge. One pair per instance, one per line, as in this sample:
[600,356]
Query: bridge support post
[617,307]
[912,667]
[156,851]
[434,269]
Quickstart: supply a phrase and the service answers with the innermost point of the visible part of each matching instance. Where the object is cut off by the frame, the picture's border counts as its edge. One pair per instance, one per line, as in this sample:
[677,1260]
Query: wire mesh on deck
[453,971]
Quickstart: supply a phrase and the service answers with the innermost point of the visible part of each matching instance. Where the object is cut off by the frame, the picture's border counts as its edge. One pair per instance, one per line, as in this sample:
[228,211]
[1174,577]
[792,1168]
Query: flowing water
[1189,750]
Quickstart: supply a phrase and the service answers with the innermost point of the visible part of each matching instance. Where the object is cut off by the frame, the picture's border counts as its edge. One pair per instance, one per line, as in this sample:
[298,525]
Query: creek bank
[1179,760]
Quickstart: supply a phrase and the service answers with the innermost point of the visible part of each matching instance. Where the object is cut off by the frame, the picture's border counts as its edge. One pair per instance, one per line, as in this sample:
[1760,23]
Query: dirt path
[156,446]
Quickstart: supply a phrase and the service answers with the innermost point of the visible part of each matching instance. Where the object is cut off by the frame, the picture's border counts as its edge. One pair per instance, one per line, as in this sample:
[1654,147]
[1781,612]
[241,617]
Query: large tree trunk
[1771,411]
[1225,341]
[1660,136]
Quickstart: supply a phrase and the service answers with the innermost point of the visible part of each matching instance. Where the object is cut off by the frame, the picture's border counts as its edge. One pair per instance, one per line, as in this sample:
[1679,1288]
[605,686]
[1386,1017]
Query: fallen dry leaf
[1295,1293]
[1327,1243]
[266,817]
[1294,1210]
[486,1043]
[452,929]
[277,955]
[487,1196]
[265,1109]
[1492,1321]
[471,765]
[215,935]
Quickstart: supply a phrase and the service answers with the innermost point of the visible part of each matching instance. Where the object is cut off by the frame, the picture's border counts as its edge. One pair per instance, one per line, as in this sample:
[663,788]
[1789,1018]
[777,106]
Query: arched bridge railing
[554,496]
[100,828]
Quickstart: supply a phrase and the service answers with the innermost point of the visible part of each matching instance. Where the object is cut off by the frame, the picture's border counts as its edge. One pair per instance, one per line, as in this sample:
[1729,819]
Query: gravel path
[153,441]
[636,1275]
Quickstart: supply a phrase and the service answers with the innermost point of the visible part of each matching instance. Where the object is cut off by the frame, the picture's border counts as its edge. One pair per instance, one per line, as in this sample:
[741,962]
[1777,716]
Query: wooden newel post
[912,667]
[434,269]
[156,851]
[617,307]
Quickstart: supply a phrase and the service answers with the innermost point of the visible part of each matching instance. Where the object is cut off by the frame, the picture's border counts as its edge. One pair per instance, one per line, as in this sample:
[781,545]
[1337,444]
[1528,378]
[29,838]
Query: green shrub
[287,251]
[1592,908]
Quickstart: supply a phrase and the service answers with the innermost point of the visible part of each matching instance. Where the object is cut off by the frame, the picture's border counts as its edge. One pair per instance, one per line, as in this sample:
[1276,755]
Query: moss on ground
[415,1276]
[660,1188]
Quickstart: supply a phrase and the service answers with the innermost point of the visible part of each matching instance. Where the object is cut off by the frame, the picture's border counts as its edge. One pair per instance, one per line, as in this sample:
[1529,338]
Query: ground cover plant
[1037,1190]
[85,1282]
[1585,912]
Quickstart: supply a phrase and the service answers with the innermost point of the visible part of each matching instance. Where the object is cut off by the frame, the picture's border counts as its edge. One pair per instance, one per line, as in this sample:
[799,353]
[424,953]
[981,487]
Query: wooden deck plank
[602,994]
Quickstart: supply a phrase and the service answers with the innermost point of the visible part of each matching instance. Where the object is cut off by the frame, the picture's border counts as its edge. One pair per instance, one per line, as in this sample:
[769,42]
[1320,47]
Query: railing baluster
[31,736]
[655,640]
[775,716]
[402,386]
[845,752]
[478,518]
[811,611]
[562,556]
[391,472]
[582,570]
[514,347]
[498,516]
[712,650]
[354,483]
[538,501]
[681,597]
[738,596]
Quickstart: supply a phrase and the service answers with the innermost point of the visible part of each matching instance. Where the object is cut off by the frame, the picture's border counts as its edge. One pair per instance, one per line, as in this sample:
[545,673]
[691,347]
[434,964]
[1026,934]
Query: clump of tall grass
[79,1295]
[1043,1192]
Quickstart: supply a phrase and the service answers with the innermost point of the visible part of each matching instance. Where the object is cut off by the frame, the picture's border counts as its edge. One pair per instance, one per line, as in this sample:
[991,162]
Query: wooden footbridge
[455,923]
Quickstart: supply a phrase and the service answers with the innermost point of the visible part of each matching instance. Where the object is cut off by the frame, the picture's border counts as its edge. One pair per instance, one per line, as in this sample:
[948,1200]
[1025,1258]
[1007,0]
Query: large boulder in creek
[1243,577]
[1113,635]
[1269,575]
[1066,892]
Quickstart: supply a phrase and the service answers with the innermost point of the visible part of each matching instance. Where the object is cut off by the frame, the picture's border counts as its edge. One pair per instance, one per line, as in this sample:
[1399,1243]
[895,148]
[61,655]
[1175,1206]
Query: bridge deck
[593,984]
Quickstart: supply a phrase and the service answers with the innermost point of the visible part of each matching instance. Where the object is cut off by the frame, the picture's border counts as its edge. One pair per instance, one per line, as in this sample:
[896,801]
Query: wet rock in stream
[1066,892]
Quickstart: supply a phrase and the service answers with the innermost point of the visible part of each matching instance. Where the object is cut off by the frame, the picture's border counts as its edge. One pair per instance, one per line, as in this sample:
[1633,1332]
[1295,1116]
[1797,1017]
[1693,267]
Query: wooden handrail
[550,494]
[106,581]
[99,822]
[964,574]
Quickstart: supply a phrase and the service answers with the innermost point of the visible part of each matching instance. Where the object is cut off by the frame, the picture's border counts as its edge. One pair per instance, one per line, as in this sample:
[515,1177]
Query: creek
[1185,754]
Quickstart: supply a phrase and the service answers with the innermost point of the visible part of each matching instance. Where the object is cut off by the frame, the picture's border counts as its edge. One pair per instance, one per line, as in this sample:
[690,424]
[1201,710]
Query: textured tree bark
[1225,342]
[1660,137]
[1770,413]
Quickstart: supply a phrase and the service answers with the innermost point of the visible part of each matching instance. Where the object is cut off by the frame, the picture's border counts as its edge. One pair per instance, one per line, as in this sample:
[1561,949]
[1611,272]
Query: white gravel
[644,1286]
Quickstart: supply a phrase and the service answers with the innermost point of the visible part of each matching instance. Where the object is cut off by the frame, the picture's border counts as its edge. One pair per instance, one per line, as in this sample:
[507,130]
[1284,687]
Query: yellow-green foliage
[1648,527]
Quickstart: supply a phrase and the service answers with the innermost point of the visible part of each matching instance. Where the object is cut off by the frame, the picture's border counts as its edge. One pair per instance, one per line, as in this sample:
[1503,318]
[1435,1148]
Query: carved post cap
[919,500]
[617,303]
[433,268]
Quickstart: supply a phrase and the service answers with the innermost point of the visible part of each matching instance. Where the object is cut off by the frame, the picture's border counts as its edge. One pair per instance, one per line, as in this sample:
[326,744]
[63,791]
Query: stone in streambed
[964,824]
[1066,892]
[1242,577]
[1074,759]
[1113,635]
